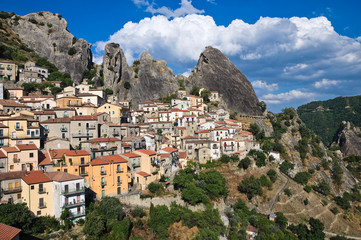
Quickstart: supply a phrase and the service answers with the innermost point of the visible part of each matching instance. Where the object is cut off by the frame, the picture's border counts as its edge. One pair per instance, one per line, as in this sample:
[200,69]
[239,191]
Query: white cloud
[140,3]
[287,96]
[264,86]
[212,1]
[325,83]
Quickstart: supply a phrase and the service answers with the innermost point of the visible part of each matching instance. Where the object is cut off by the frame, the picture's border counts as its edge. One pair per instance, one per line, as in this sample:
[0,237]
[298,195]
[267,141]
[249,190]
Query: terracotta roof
[148,152]
[12,175]
[143,174]
[203,131]
[163,155]
[181,128]
[170,149]
[107,139]
[11,103]
[10,149]
[3,125]
[130,155]
[99,161]
[8,232]
[251,228]
[246,132]
[115,158]
[2,154]
[146,102]
[111,124]
[44,159]
[84,118]
[77,153]
[62,176]
[86,94]
[43,112]
[73,97]
[23,147]
[57,153]
[36,177]
[182,154]
[56,120]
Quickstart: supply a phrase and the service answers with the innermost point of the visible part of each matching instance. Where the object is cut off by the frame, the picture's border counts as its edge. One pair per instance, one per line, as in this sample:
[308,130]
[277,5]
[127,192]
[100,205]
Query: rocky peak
[47,34]
[348,139]
[115,66]
[216,72]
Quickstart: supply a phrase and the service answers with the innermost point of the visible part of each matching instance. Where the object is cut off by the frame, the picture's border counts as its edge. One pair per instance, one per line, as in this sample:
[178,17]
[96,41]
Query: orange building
[109,176]
[69,101]
[74,162]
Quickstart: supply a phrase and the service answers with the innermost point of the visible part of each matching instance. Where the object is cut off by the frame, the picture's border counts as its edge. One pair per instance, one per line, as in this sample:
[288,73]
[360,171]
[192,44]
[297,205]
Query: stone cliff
[47,34]
[216,72]
[348,139]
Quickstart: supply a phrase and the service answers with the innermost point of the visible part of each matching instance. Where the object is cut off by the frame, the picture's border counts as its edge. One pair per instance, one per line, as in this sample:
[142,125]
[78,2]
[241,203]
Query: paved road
[330,234]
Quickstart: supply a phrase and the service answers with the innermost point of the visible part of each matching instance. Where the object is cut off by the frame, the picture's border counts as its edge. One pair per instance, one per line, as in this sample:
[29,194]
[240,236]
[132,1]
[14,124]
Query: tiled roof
[115,158]
[56,120]
[62,176]
[11,103]
[8,232]
[84,118]
[43,112]
[113,139]
[170,149]
[148,152]
[10,149]
[182,154]
[36,177]
[143,174]
[111,124]
[12,175]
[57,153]
[2,154]
[77,153]
[98,161]
[23,147]
[130,155]
[3,125]
[44,159]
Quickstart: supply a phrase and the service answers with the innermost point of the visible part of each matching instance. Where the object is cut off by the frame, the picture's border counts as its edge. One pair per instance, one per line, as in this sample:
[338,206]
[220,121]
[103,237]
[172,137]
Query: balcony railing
[103,148]
[79,135]
[104,183]
[103,172]
[24,137]
[83,174]
[78,214]
[74,191]
[42,190]
[116,133]
[91,126]
[74,204]
[42,206]
[12,190]
[84,163]
[119,171]
[119,183]
[16,160]
[63,129]
[58,164]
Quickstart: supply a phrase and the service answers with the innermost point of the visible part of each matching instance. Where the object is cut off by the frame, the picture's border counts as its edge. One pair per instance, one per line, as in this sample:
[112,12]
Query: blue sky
[292,51]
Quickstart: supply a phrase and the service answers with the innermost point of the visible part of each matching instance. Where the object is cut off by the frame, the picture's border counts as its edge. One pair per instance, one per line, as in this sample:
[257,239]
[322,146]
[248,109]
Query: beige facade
[21,157]
[83,128]
[8,71]
[10,187]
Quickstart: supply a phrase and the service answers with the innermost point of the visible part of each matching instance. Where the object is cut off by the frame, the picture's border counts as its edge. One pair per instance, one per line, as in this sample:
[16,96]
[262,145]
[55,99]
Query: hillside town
[56,150]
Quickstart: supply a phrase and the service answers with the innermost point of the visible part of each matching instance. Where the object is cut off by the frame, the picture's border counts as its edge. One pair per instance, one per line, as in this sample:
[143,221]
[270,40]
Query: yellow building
[8,70]
[149,168]
[15,92]
[109,176]
[38,193]
[22,157]
[22,131]
[114,111]
[69,101]
[74,162]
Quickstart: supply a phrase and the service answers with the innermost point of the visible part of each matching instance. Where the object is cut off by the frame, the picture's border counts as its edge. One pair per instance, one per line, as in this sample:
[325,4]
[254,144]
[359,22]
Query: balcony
[119,183]
[103,172]
[80,135]
[42,206]
[74,204]
[83,174]
[63,129]
[73,192]
[116,133]
[18,128]
[9,68]
[12,190]
[104,183]
[42,190]
[24,137]
[84,163]
[119,171]
[103,148]
[90,126]
[16,160]
[79,214]
[58,164]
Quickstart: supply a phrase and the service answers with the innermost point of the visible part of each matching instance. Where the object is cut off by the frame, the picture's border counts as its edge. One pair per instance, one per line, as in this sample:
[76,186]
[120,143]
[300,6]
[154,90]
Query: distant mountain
[325,117]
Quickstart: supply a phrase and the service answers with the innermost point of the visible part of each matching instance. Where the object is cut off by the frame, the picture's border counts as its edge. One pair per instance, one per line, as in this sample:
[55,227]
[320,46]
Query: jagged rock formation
[115,67]
[47,34]
[216,72]
[349,140]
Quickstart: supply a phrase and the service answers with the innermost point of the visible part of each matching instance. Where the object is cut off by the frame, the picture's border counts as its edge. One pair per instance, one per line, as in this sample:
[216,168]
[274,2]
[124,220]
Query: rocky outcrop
[47,34]
[216,72]
[348,138]
[115,67]
[152,80]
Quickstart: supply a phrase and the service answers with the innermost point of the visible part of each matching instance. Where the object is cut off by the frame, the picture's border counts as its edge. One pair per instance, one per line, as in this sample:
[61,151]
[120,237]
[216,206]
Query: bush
[127,85]
[335,210]
[32,20]
[305,201]
[224,158]
[323,187]
[307,188]
[265,182]
[244,163]
[302,177]
[288,192]
[71,51]
[250,186]
[74,40]
[138,212]
[272,174]
[155,188]
[109,91]
[194,195]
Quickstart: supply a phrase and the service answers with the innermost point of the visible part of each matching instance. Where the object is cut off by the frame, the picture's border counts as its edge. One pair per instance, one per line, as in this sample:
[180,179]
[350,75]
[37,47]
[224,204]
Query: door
[103,193]
[66,188]
[10,186]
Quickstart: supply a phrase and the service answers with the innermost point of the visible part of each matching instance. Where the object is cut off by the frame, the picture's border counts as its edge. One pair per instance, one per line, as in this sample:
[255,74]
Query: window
[79,124]
[118,168]
[19,195]
[118,180]
[113,112]
[12,167]
[32,187]
[119,190]
[36,132]
[102,171]
[1,132]
[41,188]
[17,125]
[31,155]
[41,202]
[62,135]
[38,213]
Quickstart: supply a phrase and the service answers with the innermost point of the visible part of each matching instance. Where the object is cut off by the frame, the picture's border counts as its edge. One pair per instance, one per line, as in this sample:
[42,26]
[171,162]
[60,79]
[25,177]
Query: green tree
[302,177]
[109,91]
[272,174]
[281,220]
[95,224]
[16,215]
[244,163]
[195,90]
[159,220]
[155,188]
[138,212]
[250,186]
[111,208]
[127,85]
[66,216]
[71,51]
[206,94]
[194,195]
[316,230]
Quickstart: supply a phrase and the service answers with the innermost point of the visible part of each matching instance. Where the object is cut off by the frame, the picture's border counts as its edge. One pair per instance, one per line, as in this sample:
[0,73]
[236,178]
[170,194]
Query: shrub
[302,177]
[272,174]
[138,212]
[32,20]
[335,210]
[307,188]
[250,186]
[288,192]
[244,163]
[323,187]
[126,85]
[108,91]
[74,40]
[305,201]
[71,51]
[155,188]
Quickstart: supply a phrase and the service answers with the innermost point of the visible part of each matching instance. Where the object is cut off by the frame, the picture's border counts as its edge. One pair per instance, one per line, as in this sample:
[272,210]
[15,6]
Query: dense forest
[325,117]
